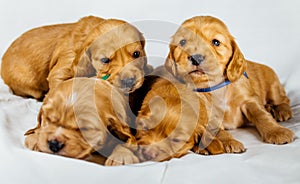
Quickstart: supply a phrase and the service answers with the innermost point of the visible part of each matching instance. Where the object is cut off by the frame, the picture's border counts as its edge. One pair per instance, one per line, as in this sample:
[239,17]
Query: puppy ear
[237,64]
[84,67]
[148,69]
[170,64]
[142,39]
[121,130]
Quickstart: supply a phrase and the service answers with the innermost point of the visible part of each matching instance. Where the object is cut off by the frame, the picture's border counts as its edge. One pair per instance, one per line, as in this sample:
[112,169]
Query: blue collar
[213,88]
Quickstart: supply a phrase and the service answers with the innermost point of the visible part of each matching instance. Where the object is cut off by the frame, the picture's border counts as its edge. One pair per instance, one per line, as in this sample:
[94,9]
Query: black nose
[55,146]
[196,59]
[127,83]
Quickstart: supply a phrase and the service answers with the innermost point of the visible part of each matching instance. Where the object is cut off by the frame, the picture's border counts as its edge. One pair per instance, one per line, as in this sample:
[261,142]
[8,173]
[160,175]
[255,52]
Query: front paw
[31,141]
[215,147]
[278,135]
[121,156]
[233,146]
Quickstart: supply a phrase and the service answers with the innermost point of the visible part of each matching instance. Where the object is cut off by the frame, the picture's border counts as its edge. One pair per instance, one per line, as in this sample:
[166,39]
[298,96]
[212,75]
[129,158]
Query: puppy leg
[214,147]
[29,92]
[278,103]
[230,144]
[269,129]
[121,155]
[281,112]
[208,144]
[31,140]
[62,71]
[96,158]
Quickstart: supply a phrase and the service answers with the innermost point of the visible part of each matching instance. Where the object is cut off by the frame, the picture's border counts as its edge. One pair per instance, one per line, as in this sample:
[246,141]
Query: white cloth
[261,163]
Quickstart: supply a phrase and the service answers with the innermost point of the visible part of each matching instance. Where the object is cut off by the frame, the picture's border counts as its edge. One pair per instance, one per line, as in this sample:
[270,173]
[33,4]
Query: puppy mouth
[126,91]
[197,72]
[130,85]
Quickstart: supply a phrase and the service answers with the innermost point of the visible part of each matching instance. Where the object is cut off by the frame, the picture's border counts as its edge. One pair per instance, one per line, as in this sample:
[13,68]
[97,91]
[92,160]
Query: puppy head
[116,50]
[68,123]
[203,52]
[166,129]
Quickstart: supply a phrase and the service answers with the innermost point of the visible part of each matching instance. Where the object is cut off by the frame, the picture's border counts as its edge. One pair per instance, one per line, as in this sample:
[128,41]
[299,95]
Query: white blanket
[261,163]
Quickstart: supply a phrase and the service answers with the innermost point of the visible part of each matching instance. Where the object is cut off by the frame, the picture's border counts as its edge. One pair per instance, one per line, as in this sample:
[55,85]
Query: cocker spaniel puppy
[80,117]
[44,57]
[171,121]
[204,55]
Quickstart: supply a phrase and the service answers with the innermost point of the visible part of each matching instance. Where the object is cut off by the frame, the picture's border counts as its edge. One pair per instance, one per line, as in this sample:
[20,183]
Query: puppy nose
[196,59]
[127,82]
[149,154]
[55,146]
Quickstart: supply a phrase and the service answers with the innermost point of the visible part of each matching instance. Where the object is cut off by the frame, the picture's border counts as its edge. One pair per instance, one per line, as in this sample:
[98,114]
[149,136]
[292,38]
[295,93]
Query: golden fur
[43,57]
[79,118]
[169,124]
[252,100]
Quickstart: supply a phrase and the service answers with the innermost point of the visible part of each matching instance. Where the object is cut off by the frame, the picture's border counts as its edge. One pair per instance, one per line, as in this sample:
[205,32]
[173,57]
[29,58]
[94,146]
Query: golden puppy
[80,117]
[203,53]
[171,122]
[43,57]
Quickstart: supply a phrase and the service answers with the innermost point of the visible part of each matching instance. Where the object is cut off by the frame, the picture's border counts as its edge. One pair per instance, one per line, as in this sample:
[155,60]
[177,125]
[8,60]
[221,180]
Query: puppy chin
[137,85]
[128,89]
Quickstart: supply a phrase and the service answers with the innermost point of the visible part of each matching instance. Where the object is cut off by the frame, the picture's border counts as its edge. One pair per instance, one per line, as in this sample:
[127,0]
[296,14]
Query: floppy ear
[142,39]
[148,69]
[121,130]
[237,64]
[84,67]
[170,64]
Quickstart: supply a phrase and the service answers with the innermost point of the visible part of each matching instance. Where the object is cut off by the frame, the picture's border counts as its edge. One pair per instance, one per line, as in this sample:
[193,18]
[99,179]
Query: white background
[267,31]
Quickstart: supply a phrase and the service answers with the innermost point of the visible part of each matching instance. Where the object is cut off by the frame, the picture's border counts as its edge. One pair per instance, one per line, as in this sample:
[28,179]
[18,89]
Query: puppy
[171,122]
[80,117]
[204,56]
[43,57]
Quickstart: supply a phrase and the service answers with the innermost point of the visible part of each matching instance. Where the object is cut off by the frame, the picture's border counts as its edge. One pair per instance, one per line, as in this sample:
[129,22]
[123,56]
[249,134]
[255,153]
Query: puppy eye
[105,60]
[136,54]
[175,140]
[182,42]
[215,42]
[83,129]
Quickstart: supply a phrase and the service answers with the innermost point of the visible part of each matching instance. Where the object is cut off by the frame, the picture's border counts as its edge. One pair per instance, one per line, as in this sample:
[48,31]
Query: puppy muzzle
[196,59]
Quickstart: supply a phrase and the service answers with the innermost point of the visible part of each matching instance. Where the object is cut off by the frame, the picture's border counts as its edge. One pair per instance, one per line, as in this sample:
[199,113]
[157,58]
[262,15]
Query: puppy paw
[121,156]
[233,146]
[215,147]
[282,112]
[198,150]
[278,135]
[31,140]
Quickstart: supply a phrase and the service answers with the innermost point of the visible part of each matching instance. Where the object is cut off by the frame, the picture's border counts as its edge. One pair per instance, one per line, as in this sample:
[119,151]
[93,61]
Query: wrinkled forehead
[118,36]
[58,114]
[203,28]
[72,101]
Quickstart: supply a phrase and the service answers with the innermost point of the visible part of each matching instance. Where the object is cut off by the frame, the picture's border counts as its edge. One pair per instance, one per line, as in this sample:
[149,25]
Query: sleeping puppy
[203,53]
[80,117]
[44,57]
[171,122]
